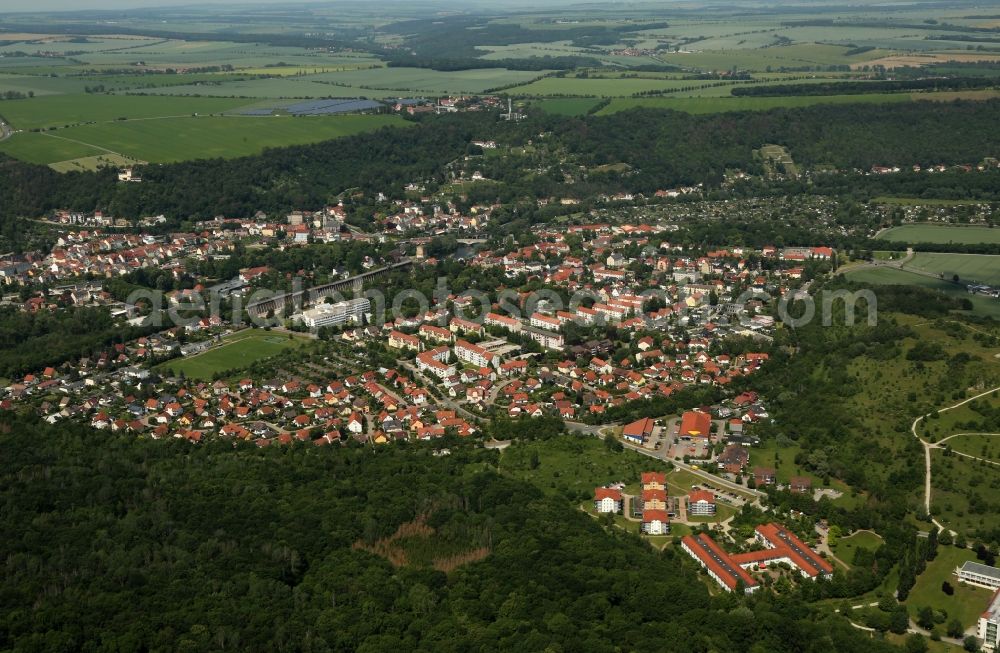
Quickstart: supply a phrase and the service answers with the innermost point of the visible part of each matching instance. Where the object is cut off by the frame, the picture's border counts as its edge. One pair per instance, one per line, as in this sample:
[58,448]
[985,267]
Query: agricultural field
[941,234]
[422,80]
[770,58]
[970,268]
[63,110]
[103,77]
[372,82]
[981,305]
[601,86]
[235,353]
[177,139]
[45,148]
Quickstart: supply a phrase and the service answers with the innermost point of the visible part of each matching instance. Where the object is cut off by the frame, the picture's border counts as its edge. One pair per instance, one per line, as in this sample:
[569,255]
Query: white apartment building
[540,321]
[988,629]
[475,355]
[975,573]
[323,315]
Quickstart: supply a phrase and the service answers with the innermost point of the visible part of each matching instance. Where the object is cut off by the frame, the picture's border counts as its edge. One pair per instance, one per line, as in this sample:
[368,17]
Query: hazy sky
[62,5]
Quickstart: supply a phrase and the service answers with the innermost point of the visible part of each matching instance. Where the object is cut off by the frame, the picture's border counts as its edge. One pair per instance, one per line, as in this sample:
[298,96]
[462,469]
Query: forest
[29,342]
[117,543]
[878,86]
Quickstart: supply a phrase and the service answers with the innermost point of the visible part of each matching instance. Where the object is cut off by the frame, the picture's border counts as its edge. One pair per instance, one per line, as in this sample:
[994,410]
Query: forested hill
[116,543]
[670,148]
[663,149]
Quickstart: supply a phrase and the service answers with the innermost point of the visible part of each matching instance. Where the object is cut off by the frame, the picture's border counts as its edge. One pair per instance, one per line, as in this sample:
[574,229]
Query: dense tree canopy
[111,542]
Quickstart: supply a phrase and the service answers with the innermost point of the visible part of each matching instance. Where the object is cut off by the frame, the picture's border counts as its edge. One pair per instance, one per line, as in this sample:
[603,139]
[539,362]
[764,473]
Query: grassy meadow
[966,604]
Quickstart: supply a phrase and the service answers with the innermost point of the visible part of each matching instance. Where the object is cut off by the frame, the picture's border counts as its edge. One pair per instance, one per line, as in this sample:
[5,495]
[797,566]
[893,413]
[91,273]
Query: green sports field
[237,352]
[941,234]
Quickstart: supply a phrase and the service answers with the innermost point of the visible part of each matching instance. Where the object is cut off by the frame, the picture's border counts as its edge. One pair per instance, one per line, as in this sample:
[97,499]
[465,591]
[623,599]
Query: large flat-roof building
[976,573]
[333,314]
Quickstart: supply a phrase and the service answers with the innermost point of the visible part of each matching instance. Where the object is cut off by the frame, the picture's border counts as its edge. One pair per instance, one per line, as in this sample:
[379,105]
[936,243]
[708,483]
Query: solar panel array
[331,106]
[256,112]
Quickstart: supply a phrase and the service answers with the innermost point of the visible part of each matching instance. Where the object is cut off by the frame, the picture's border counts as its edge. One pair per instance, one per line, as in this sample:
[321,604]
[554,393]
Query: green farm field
[941,234]
[45,148]
[884,275]
[237,352]
[377,82]
[975,268]
[175,139]
[62,110]
[605,86]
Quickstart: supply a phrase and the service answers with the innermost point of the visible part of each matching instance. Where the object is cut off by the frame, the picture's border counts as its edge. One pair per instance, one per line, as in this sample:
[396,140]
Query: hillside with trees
[116,542]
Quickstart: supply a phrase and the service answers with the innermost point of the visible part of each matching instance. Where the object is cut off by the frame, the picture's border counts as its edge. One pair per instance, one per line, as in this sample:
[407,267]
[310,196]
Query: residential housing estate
[779,545]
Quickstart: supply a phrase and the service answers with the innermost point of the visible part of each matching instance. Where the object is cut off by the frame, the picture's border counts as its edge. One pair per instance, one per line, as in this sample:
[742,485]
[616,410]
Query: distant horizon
[41,6]
[46,6]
